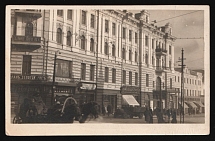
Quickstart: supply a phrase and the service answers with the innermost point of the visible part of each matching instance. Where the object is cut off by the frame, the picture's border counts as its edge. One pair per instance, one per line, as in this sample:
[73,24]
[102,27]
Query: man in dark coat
[150,116]
[147,115]
[109,109]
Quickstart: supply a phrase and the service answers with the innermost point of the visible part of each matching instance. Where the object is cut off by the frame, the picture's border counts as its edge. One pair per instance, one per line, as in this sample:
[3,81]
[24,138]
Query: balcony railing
[160,51]
[29,40]
[34,13]
[28,77]
[160,68]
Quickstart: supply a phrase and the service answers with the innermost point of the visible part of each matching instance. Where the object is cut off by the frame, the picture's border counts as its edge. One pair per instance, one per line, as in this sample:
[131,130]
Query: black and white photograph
[107,70]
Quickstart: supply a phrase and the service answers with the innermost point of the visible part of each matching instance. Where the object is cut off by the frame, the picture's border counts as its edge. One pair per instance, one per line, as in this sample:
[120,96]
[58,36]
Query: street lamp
[53,78]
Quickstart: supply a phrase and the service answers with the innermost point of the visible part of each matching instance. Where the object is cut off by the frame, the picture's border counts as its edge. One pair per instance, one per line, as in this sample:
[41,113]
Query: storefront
[130,95]
[85,92]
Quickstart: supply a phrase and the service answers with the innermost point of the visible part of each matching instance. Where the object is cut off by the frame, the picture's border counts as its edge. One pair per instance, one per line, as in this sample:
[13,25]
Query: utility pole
[182,86]
[97,49]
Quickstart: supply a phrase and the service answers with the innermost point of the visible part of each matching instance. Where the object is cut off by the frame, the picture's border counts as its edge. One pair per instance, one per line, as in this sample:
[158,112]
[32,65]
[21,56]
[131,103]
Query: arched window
[29,29]
[123,53]
[135,56]
[83,42]
[146,59]
[106,48]
[130,55]
[59,36]
[91,44]
[68,38]
[157,63]
[113,50]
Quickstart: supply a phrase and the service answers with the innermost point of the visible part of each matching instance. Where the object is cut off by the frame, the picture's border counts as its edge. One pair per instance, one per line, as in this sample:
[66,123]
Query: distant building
[193,89]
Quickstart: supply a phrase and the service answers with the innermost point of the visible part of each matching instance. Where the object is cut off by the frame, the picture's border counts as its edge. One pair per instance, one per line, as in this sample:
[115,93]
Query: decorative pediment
[59,25]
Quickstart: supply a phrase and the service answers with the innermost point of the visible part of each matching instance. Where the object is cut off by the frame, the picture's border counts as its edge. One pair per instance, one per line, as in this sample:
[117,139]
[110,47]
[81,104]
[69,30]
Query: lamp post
[53,78]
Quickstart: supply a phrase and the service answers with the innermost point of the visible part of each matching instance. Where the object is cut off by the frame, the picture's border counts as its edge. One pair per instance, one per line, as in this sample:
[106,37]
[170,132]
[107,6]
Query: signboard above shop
[86,86]
[129,90]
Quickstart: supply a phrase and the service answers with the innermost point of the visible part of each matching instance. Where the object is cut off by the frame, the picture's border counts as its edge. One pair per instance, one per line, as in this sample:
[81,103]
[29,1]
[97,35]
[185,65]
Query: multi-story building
[93,55]
[192,89]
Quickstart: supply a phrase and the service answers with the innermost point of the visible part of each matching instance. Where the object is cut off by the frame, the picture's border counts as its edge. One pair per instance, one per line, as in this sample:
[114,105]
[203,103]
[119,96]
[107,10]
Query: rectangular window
[113,29]
[153,43]
[135,37]
[63,68]
[170,83]
[178,79]
[92,21]
[147,80]
[113,75]
[69,14]
[130,78]
[83,16]
[124,77]
[123,32]
[83,71]
[130,35]
[175,78]
[26,65]
[92,70]
[146,41]
[170,49]
[153,84]
[106,74]
[106,25]
[136,78]
[60,13]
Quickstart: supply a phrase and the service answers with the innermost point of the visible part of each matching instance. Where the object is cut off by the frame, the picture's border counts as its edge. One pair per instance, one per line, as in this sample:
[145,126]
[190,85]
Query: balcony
[160,69]
[34,77]
[160,51]
[26,40]
[31,13]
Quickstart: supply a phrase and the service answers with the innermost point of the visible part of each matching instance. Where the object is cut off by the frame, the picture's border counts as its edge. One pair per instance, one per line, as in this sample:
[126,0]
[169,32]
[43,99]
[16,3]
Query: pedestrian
[109,109]
[174,120]
[150,115]
[160,116]
[146,114]
[168,112]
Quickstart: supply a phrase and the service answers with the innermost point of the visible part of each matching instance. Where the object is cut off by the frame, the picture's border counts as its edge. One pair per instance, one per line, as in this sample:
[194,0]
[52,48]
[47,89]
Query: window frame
[106,74]
[136,38]
[136,78]
[106,26]
[106,49]
[83,17]
[147,80]
[146,40]
[130,35]
[83,71]
[59,36]
[60,73]
[113,75]
[92,21]
[69,38]
[113,28]
[123,33]
[92,72]
[130,77]
[26,64]
[92,44]
[29,29]
[113,50]
[83,42]
[123,76]
[69,14]
[130,55]
[60,13]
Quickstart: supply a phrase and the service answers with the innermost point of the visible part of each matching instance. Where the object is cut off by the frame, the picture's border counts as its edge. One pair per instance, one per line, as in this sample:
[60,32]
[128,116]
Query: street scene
[86,66]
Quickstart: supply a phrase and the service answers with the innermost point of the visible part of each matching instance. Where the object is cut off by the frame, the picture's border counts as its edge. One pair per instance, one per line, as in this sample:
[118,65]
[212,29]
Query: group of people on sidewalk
[163,116]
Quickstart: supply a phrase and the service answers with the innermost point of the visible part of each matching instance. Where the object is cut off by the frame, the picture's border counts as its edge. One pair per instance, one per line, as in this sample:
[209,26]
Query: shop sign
[27,39]
[23,89]
[87,86]
[129,90]
[64,90]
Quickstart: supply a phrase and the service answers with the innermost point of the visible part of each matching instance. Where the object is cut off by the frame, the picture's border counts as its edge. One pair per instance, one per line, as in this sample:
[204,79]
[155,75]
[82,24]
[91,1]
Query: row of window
[186,80]
[192,92]
[69,13]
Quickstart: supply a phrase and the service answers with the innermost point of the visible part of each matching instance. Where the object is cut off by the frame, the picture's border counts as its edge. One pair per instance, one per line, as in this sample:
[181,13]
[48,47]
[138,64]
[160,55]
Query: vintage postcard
[107,70]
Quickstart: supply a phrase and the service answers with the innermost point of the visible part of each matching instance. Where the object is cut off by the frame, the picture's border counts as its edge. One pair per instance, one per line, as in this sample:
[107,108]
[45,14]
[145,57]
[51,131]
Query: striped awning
[191,104]
[198,103]
[185,105]
[130,100]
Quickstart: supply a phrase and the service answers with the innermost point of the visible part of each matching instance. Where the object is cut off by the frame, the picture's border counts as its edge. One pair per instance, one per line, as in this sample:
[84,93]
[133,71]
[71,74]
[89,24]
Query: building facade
[93,55]
[193,89]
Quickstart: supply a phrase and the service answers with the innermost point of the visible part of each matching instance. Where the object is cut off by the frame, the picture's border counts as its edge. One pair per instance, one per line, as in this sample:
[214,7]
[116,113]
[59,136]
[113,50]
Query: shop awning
[185,105]
[129,100]
[191,104]
[198,104]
